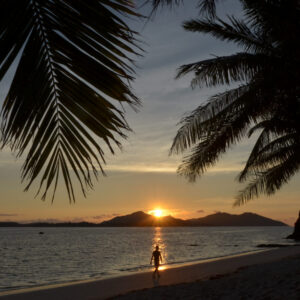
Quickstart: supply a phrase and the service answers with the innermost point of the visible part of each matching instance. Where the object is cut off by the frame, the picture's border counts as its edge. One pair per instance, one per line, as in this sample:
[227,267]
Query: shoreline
[115,286]
[134,271]
[276,280]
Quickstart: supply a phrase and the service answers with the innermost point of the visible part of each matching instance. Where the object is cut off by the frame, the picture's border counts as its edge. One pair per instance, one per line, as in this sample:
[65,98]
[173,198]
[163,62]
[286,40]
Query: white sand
[103,289]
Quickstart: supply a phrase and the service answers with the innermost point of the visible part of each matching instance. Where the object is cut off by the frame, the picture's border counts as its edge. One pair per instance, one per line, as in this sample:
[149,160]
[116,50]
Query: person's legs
[156,270]
[154,273]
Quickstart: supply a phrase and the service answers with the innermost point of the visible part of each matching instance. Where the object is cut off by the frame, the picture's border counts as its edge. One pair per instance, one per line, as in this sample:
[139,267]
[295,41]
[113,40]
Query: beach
[266,274]
[279,280]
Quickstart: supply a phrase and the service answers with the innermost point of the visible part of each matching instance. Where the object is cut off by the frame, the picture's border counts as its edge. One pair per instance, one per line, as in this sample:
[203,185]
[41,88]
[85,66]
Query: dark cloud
[48,220]
[200,211]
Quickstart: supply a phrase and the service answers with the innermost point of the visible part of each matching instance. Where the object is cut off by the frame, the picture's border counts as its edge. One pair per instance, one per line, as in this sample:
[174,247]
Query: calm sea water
[68,254]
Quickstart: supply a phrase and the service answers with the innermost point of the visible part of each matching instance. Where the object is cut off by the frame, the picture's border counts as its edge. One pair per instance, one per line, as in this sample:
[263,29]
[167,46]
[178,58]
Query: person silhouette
[156,256]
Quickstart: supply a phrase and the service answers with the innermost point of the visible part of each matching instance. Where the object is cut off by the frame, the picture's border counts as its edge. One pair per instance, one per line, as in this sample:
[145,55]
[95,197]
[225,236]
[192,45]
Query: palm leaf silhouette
[206,7]
[267,101]
[74,69]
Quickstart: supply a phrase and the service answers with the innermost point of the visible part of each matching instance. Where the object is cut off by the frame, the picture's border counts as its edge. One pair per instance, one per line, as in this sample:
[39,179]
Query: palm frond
[236,31]
[155,4]
[76,62]
[222,70]
[206,7]
[264,15]
[215,136]
[198,122]
[274,142]
[270,181]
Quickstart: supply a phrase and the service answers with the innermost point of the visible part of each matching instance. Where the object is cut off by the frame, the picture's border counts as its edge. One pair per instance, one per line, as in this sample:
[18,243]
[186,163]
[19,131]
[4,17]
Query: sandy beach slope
[279,280]
[107,288]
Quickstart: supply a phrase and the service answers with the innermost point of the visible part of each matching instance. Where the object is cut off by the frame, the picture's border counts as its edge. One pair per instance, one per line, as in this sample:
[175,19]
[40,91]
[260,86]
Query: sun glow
[156,212]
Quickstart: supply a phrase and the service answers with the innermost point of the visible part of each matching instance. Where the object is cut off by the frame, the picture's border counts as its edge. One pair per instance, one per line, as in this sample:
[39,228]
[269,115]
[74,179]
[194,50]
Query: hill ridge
[142,219]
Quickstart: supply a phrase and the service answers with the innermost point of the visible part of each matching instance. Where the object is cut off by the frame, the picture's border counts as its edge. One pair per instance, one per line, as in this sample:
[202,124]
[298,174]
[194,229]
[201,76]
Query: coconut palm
[266,102]
[73,67]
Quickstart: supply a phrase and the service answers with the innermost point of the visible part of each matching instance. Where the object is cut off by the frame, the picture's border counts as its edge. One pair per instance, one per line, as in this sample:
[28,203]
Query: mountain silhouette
[225,219]
[141,219]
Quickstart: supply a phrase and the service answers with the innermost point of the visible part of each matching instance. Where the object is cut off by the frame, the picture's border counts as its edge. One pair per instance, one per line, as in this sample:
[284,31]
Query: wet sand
[271,267]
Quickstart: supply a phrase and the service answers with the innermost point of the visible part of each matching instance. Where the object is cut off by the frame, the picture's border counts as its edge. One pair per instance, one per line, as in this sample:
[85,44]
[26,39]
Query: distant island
[142,219]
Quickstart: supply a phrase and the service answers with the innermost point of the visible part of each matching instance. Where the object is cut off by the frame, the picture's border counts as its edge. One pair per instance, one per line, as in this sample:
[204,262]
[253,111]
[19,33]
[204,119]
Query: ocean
[29,259]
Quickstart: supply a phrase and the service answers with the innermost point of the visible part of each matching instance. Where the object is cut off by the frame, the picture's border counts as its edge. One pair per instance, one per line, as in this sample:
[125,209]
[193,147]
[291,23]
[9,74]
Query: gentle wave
[183,262]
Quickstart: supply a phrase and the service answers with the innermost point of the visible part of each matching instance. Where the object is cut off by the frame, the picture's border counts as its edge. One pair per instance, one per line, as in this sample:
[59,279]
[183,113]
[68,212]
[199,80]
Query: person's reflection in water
[156,256]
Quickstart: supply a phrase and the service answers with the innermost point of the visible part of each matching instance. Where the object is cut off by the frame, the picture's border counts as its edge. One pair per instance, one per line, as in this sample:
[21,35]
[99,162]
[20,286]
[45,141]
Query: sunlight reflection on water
[159,241]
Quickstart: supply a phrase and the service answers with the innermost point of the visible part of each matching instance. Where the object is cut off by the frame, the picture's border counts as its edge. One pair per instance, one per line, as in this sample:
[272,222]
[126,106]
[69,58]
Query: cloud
[97,218]
[8,215]
[200,211]
[142,169]
[104,216]
[166,100]
[47,220]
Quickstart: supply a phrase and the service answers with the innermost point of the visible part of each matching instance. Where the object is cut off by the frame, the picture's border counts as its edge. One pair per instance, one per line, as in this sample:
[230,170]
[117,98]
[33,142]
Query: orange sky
[143,176]
[125,192]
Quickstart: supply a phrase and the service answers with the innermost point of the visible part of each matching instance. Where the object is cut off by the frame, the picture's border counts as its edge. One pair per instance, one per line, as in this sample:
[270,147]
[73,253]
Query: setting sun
[156,212]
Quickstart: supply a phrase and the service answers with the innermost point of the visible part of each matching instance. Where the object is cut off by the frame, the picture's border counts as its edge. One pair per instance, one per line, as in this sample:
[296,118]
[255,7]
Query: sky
[143,176]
